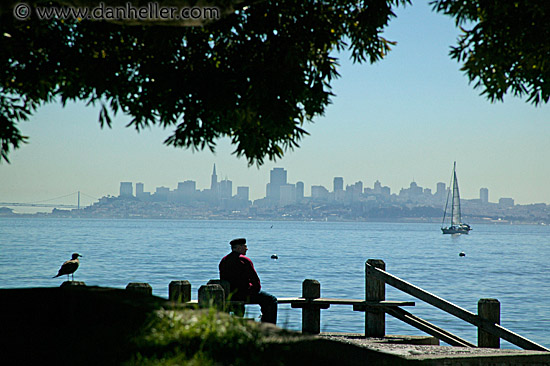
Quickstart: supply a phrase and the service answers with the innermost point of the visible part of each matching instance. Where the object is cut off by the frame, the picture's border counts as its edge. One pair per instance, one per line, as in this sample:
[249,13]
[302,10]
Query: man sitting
[239,271]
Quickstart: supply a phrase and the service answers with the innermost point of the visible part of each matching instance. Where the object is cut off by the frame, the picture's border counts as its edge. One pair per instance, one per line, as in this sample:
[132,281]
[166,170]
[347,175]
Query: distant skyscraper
[353,192]
[377,187]
[186,191]
[161,193]
[440,190]
[319,192]
[506,202]
[243,193]
[338,184]
[277,178]
[299,191]
[415,189]
[413,192]
[214,181]
[287,194]
[126,189]
[139,190]
[484,195]
[358,187]
[187,187]
[226,189]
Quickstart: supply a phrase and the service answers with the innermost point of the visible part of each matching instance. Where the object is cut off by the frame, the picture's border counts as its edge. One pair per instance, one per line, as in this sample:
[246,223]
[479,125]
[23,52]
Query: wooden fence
[487,320]
[374,305]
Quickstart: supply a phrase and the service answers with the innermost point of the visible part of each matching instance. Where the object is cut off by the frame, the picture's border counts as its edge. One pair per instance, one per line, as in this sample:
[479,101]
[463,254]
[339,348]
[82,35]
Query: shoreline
[404,220]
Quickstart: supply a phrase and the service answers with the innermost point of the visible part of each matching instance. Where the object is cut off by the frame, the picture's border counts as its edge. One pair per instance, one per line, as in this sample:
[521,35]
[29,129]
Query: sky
[406,118]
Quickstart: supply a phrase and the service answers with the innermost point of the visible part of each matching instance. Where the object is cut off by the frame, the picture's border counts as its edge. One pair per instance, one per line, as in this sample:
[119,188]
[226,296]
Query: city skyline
[138,188]
[278,176]
[287,200]
[405,118]
[337,183]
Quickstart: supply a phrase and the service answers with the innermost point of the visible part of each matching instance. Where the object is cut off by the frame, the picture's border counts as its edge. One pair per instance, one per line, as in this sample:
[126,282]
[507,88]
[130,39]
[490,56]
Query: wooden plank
[366,305]
[455,310]
[383,303]
[428,327]
[334,301]
[288,300]
[308,305]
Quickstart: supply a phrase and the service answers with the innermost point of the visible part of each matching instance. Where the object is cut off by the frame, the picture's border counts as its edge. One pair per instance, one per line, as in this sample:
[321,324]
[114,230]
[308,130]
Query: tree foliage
[505,46]
[258,75]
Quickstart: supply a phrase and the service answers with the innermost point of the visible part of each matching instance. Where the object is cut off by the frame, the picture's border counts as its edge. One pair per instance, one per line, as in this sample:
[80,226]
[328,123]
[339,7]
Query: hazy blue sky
[407,117]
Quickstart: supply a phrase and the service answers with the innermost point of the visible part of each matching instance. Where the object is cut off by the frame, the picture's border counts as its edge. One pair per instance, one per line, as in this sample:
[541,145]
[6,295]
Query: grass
[198,338]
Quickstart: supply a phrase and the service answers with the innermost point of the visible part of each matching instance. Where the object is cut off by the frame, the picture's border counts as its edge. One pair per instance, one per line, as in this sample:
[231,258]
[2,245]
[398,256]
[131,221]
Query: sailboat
[456,225]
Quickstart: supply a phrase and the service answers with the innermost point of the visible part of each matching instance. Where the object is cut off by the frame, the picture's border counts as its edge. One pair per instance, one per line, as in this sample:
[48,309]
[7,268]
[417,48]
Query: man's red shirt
[239,271]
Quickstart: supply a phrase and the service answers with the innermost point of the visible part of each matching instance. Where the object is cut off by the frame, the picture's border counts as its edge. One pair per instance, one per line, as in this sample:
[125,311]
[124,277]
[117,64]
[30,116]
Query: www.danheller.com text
[151,11]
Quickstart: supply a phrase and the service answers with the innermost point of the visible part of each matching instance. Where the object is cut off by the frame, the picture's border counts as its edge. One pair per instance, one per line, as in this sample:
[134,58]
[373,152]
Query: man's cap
[238,241]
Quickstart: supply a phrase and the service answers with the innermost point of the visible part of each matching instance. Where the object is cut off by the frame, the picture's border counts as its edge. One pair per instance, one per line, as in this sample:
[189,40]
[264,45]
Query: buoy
[462,254]
[274,256]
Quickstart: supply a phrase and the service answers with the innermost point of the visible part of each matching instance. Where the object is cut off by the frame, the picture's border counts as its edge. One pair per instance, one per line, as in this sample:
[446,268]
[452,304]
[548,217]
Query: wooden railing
[487,321]
[374,305]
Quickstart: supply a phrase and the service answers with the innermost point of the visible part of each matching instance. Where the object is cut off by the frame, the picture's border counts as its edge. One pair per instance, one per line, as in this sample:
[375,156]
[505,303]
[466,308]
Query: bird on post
[69,267]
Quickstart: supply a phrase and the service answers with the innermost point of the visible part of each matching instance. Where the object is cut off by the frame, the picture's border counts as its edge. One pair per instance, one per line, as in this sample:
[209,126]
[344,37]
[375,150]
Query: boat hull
[456,230]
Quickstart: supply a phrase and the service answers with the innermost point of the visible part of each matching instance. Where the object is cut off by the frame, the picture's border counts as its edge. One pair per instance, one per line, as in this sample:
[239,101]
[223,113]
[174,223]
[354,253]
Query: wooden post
[211,296]
[235,307]
[141,287]
[223,283]
[311,315]
[179,291]
[488,310]
[375,290]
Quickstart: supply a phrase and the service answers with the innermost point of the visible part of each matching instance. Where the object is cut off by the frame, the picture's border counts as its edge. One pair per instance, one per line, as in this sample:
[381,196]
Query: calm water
[510,263]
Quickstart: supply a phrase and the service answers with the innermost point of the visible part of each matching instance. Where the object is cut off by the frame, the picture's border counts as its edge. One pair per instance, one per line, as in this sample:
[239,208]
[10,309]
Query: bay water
[508,262]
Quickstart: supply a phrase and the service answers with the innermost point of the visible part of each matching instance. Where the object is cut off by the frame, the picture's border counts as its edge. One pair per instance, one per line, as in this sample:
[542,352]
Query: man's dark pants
[268,305]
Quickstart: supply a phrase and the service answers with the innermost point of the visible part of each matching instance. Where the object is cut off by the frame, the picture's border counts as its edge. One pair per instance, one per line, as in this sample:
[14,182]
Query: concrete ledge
[410,353]
[388,339]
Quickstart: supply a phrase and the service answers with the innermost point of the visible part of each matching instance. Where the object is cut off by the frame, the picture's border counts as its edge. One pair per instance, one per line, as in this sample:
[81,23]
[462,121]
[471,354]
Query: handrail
[429,328]
[453,309]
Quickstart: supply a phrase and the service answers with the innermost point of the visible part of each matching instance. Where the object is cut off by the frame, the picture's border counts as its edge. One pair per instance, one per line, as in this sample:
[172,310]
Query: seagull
[69,267]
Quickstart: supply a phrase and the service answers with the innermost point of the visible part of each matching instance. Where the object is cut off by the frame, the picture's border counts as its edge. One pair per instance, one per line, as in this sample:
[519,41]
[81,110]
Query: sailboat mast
[453,179]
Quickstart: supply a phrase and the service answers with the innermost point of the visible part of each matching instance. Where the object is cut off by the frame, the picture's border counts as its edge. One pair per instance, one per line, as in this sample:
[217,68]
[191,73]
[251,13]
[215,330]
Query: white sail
[456,217]
[456,225]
